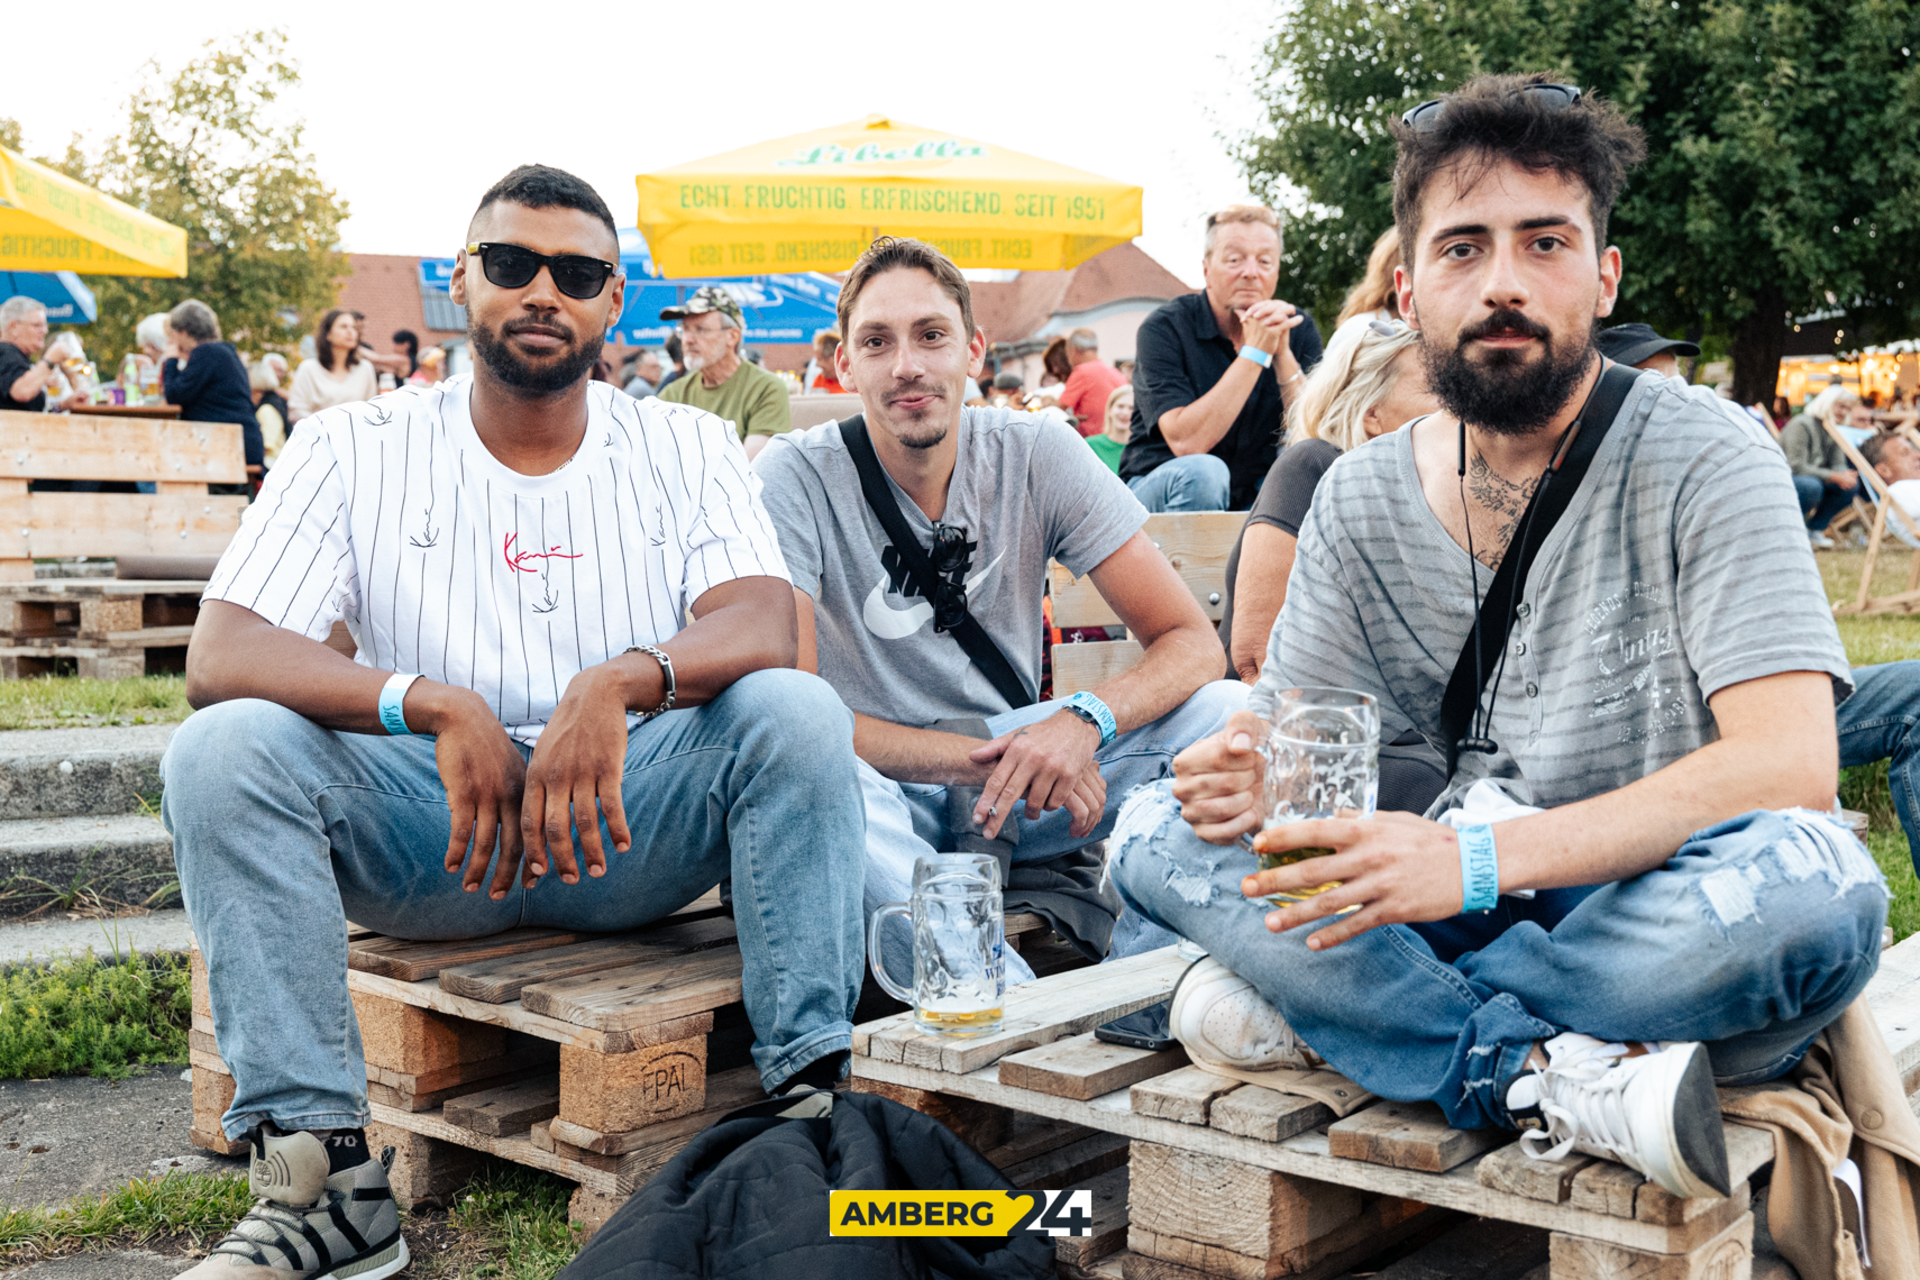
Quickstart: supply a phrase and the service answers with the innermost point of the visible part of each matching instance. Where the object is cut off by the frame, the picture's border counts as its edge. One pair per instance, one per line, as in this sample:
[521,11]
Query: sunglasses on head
[1555,97]
[512,266]
[1387,328]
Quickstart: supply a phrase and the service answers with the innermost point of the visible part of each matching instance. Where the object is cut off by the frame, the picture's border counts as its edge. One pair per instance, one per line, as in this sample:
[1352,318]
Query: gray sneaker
[324,1212]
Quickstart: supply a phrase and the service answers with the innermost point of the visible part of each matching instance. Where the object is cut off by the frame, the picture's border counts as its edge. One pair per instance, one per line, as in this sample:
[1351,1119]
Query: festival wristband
[1262,358]
[1479,869]
[392,694]
[1096,713]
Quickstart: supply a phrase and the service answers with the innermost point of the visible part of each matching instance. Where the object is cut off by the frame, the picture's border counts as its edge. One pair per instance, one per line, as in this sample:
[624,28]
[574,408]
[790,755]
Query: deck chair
[1888,517]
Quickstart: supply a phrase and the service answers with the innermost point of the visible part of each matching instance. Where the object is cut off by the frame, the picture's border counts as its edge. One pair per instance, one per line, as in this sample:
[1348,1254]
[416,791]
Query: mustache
[1506,320]
[551,328]
[915,389]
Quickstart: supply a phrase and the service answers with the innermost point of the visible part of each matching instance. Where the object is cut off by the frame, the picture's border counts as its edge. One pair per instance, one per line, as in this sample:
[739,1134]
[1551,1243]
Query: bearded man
[1626,754]
[514,553]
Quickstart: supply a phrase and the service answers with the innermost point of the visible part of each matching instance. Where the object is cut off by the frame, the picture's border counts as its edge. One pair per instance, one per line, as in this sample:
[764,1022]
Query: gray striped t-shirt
[1681,567]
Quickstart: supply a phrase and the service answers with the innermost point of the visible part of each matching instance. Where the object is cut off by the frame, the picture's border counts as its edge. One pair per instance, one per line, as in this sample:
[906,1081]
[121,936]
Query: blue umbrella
[777,308]
[67,300]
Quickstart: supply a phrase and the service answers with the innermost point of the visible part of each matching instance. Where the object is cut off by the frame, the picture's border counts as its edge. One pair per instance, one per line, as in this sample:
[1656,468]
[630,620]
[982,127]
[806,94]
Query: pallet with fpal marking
[1233,1179]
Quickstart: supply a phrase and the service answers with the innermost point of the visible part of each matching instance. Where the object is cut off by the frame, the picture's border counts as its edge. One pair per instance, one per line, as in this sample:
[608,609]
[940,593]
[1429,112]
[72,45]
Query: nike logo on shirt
[890,623]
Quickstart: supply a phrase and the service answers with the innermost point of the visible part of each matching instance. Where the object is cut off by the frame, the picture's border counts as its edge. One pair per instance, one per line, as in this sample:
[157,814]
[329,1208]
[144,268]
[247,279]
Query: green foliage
[518,1218]
[83,1017]
[1784,144]
[209,149]
[201,1207]
[10,136]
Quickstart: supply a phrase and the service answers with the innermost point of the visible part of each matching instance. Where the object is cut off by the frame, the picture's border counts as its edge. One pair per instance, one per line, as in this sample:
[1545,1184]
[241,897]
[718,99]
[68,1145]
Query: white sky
[414,109]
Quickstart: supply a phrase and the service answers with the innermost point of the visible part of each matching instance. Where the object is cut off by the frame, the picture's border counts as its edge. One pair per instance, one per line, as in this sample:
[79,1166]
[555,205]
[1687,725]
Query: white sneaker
[1821,542]
[1223,1021]
[1655,1112]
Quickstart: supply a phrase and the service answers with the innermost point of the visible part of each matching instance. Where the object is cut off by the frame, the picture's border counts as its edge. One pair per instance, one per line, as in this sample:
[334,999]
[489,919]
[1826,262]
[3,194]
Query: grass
[189,1210]
[62,702]
[510,1223]
[82,1016]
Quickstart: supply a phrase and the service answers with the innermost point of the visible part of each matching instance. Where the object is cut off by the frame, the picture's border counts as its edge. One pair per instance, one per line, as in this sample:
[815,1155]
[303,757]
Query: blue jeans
[1752,938]
[283,830]
[1197,482]
[1822,500]
[908,819]
[1877,723]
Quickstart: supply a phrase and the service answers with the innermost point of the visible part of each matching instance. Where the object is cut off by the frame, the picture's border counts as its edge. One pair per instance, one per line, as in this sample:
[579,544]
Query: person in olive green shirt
[712,327]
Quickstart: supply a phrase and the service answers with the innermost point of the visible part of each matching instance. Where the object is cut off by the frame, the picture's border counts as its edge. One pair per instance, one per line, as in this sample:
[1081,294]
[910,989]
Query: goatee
[1505,393]
[504,363]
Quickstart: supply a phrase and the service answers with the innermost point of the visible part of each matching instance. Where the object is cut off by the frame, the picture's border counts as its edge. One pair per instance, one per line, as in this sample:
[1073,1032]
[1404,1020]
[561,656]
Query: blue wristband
[392,695]
[1262,358]
[1095,713]
[1479,869]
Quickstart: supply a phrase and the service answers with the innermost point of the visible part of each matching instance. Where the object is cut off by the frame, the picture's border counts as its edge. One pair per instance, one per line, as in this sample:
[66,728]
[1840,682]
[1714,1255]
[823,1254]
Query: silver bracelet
[666,669]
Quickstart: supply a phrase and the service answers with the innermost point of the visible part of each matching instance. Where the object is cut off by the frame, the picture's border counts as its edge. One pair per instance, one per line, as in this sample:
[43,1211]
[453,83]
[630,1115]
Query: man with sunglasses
[988,495]
[1629,756]
[531,734]
[712,327]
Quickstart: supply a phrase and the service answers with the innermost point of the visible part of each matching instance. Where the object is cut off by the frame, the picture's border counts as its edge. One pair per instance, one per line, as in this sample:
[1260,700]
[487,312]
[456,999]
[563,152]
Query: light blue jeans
[1877,723]
[908,819]
[1197,482]
[1752,938]
[283,830]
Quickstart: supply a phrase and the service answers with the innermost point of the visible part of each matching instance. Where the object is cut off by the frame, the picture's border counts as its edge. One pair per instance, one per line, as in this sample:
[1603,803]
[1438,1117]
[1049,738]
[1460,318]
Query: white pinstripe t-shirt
[392,514]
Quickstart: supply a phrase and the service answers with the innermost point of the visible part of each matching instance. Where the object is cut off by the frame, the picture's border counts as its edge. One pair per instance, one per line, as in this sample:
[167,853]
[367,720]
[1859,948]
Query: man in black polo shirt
[1214,371]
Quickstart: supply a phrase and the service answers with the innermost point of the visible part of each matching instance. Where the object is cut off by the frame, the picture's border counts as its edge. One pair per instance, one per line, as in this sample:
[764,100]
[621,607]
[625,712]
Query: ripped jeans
[1752,938]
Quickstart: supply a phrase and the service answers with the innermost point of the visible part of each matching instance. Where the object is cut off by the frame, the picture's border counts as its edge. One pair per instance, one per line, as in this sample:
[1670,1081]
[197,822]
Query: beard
[924,428]
[1505,393]
[561,372]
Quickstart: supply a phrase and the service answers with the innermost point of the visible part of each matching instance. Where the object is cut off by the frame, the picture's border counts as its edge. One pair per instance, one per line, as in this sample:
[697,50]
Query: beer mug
[1322,760]
[959,972]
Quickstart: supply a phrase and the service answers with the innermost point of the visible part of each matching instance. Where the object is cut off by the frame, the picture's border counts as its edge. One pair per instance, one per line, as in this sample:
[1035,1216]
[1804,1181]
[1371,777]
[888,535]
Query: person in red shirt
[1090,383]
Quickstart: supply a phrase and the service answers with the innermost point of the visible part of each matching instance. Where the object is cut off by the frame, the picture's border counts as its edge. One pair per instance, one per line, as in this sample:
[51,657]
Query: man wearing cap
[717,379]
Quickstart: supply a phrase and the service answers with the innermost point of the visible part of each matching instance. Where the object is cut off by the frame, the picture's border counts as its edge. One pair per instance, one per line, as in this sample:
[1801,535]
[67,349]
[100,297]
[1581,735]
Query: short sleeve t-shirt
[1108,450]
[1086,392]
[393,515]
[1285,496]
[13,363]
[1025,489]
[1681,567]
[753,400]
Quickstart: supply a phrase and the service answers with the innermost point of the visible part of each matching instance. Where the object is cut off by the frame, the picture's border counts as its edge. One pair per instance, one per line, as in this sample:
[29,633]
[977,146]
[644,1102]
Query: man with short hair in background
[646,376]
[1215,372]
[1090,383]
[25,372]
[712,331]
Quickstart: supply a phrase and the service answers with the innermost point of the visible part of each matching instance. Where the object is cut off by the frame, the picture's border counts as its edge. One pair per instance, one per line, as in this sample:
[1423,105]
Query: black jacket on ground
[213,387]
[747,1199]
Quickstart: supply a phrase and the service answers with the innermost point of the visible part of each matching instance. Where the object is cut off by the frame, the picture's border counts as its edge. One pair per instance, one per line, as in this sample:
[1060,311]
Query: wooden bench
[594,1057]
[1197,543]
[1235,1180]
[103,627]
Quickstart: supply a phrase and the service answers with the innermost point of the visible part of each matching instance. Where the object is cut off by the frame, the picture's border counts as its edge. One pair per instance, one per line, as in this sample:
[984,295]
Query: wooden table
[132,410]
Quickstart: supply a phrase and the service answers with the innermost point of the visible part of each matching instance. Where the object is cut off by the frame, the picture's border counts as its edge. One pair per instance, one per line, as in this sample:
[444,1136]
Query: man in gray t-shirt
[994,495]
[1633,887]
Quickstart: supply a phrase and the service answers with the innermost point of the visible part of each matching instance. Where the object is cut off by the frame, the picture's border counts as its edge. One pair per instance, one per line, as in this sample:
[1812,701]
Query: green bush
[84,1017]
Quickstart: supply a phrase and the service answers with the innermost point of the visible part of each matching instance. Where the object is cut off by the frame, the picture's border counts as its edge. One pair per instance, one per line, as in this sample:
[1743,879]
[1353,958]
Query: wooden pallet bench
[1234,1180]
[596,1057]
[110,628]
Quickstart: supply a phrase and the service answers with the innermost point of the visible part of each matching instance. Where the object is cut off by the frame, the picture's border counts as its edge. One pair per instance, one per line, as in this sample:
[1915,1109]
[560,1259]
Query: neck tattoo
[1504,501]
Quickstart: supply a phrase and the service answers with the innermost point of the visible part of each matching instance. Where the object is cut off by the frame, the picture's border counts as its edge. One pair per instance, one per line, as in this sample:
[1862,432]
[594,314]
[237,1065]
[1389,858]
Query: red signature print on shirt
[518,559]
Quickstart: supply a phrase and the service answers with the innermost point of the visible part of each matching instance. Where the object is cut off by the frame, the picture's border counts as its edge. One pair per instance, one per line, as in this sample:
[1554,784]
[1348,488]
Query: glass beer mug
[1322,759]
[959,973]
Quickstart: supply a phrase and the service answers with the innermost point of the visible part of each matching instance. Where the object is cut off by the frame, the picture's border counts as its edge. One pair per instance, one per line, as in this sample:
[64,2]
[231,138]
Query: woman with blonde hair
[1375,296]
[1111,441]
[1371,382]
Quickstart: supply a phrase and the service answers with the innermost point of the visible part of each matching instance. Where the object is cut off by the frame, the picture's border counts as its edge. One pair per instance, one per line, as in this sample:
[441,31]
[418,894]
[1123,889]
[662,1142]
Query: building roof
[1015,309]
[386,288]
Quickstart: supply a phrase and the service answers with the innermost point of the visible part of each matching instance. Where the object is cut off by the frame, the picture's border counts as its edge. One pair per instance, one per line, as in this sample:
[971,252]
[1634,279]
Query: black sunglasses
[951,555]
[512,266]
[1555,97]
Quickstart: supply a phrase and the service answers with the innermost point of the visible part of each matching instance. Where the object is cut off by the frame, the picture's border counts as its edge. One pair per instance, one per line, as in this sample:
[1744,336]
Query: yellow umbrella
[813,202]
[49,222]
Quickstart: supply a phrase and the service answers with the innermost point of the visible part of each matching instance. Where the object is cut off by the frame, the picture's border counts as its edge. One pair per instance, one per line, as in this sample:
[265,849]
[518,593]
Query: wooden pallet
[107,628]
[1235,1180]
[596,1057]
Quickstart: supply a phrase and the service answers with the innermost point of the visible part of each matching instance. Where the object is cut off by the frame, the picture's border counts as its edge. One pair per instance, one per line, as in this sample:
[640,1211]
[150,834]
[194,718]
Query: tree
[209,150]
[1783,174]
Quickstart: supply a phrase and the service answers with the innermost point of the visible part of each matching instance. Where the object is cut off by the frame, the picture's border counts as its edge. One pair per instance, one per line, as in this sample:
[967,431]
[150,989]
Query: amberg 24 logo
[959,1213]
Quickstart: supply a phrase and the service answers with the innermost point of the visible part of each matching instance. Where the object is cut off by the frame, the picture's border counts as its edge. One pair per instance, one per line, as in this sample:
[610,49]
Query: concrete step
[61,772]
[116,858]
[42,939]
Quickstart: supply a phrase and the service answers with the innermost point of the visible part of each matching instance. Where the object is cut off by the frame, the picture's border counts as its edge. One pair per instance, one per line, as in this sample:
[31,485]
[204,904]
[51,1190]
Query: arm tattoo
[1503,500]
